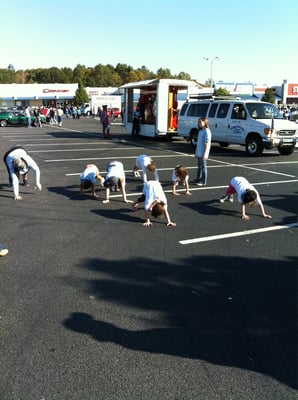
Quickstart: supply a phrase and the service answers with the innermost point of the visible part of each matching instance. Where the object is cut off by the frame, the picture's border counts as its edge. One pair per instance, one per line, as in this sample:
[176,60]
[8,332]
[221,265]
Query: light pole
[211,69]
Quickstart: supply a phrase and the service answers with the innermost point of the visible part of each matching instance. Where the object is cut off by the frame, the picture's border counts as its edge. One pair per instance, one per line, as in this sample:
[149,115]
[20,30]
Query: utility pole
[211,69]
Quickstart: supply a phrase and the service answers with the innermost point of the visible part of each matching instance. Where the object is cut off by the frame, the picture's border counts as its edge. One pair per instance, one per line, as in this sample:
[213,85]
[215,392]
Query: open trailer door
[155,103]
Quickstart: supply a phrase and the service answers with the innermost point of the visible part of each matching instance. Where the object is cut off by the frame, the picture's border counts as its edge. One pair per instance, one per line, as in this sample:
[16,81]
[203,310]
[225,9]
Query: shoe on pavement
[223,199]
[227,198]
[3,252]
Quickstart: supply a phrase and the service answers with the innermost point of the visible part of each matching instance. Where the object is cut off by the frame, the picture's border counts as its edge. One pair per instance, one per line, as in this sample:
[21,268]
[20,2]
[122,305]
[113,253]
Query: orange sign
[293,89]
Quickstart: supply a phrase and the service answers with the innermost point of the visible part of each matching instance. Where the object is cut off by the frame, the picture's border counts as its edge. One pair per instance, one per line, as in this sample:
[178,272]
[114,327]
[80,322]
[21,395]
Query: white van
[256,125]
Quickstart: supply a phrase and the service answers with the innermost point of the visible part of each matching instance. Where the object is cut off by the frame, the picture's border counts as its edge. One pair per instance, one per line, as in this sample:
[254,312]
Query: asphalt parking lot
[93,305]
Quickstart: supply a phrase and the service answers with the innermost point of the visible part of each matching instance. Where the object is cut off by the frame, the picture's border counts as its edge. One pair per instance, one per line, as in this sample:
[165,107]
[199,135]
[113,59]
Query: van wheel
[286,151]
[254,145]
[193,136]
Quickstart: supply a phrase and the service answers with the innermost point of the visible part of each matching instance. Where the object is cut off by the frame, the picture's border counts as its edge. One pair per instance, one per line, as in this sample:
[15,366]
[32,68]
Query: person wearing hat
[115,180]
[89,177]
[18,163]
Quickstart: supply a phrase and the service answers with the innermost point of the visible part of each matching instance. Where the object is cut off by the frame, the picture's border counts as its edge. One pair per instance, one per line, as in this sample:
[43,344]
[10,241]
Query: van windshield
[263,111]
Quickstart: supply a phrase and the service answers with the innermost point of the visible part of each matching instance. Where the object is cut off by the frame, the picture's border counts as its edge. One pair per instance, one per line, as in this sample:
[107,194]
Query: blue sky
[255,40]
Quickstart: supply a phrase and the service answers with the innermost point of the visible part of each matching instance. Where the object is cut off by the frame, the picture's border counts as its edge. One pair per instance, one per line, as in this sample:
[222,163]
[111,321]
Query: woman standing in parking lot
[202,151]
[105,122]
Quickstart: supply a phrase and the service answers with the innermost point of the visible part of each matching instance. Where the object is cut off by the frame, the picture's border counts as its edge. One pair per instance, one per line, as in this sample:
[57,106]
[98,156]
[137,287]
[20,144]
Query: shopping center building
[63,94]
[44,95]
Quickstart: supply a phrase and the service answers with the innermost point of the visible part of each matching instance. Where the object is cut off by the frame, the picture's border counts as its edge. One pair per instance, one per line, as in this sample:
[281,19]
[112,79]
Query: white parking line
[236,234]
[250,166]
[101,158]
[80,149]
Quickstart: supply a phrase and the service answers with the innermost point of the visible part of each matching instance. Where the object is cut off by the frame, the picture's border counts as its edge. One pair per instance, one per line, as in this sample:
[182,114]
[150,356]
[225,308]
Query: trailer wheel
[254,145]
[286,150]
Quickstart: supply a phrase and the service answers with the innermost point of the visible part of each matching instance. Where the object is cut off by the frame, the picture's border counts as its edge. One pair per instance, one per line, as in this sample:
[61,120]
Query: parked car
[17,118]
[114,112]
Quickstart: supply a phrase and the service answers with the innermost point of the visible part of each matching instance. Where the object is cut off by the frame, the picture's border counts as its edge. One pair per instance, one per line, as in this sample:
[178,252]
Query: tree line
[98,76]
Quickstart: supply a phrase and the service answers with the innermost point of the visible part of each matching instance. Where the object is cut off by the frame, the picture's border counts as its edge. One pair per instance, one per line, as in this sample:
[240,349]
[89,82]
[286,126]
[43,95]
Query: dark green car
[17,118]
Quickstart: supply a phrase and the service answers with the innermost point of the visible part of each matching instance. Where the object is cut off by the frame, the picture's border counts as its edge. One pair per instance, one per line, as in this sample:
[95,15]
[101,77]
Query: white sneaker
[102,181]
[3,252]
[223,199]
[227,198]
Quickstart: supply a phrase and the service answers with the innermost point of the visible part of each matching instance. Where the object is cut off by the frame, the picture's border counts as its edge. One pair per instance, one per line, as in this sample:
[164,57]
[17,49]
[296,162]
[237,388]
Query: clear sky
[255,40]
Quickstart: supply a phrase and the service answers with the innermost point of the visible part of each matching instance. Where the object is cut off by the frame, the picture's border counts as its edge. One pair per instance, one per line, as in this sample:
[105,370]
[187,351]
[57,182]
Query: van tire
[286,150]
[254,146]
[193,136]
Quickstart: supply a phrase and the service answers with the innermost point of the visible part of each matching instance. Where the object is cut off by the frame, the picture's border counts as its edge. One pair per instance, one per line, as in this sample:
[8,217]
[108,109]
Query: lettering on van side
[237,129]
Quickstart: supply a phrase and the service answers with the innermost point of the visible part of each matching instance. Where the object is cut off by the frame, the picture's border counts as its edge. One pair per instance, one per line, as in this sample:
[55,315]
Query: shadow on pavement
[235,312]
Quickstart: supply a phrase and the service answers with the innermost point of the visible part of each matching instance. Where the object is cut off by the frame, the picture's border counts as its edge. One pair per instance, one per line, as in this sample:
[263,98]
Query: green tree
[7,75]
[221,92]
[79,74]
[163,73]
[183,75]
[269,96]
[123,70]
[81,95]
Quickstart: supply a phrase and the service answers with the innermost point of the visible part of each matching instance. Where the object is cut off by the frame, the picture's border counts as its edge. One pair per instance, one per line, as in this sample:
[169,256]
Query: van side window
[238,112]
[184,107]
[197,110]
[223,110]
[212,111]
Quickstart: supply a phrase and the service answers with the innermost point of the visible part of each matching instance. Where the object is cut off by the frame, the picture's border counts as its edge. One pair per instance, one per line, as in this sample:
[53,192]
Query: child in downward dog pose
[88,179]
[115,180]
[145,163]
[155,203]
[180,176]
[247,194]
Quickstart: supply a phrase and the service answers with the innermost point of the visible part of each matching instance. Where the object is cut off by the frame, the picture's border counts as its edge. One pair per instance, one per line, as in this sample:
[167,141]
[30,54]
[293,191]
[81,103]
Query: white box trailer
[112,101]
[158,102]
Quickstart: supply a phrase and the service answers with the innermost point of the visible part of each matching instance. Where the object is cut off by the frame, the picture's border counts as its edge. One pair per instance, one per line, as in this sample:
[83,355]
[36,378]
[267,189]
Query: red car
[114,112]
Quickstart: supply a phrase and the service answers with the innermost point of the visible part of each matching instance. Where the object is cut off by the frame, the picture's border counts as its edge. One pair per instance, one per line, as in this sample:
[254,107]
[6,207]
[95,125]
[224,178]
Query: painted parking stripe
[237,234]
